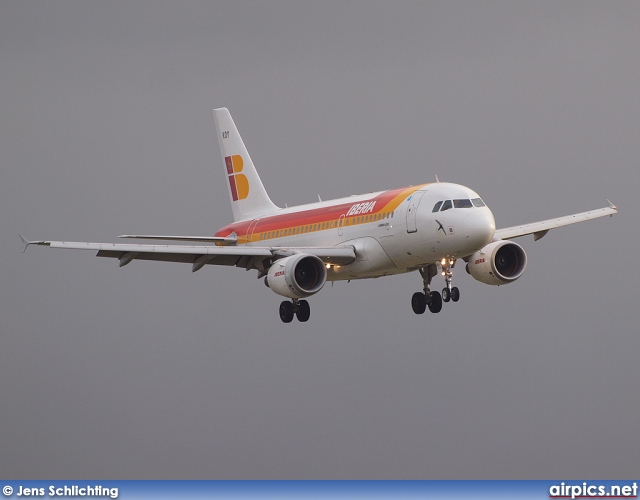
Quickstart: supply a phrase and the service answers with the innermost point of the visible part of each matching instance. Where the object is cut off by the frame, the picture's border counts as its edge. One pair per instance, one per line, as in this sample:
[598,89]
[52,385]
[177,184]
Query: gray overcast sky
[151,371]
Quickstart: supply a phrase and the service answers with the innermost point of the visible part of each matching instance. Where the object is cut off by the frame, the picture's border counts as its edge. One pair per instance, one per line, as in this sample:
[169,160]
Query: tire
[455,294]
[446,295]
[419,303]
[435,305]
[286,311]
[303,312]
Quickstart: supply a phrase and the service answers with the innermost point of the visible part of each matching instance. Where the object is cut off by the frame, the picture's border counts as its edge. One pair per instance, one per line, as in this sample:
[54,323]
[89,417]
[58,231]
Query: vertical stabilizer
[248,197]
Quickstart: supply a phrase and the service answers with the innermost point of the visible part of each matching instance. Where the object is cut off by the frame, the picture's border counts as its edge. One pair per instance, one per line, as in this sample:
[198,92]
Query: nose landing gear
[449,292]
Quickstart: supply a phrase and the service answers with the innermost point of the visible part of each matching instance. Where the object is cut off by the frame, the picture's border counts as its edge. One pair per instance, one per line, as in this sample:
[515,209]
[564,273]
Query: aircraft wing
[539,229]
[199,256]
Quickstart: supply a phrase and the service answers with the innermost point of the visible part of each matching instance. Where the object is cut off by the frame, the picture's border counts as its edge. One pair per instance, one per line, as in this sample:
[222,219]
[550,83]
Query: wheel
[455,294]
[435,304]
[446,295]
[303,311]
[286,311]
[419,303]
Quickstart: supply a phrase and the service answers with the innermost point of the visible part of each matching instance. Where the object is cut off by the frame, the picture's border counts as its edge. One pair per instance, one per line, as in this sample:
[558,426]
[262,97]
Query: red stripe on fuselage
[386,201]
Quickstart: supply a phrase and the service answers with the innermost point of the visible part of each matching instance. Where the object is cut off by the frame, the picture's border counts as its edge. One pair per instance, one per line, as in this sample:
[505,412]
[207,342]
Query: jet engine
[498,263]
[297,276]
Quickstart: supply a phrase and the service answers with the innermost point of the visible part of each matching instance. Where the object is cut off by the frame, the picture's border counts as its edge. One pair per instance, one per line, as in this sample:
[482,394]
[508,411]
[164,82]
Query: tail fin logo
[238,182]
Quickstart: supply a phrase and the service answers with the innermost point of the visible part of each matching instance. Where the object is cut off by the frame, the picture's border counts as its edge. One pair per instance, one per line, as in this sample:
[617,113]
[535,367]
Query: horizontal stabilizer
[231,239]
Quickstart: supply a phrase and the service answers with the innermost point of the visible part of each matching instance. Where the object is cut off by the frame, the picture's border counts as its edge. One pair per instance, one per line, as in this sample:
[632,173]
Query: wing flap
[195,255]
[539,229]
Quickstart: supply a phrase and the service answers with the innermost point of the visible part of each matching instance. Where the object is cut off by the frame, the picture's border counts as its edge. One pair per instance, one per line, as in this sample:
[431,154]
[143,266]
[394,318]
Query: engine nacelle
[498,263]
[297,276]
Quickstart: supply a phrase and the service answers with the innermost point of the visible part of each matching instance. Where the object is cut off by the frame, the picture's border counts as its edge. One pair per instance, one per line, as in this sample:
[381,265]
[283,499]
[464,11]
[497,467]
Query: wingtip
[611,205]
[25,243]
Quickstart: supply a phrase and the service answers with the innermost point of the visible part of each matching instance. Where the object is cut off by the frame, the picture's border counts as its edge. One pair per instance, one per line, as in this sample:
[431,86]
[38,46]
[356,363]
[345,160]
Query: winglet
[26,243]
[611,205]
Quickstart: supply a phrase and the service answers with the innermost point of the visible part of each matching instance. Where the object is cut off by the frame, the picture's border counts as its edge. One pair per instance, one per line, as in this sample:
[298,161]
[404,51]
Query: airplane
[426,228]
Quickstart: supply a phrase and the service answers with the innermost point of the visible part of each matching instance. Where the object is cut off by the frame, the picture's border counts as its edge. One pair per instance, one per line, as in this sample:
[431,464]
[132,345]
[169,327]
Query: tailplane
[249,199]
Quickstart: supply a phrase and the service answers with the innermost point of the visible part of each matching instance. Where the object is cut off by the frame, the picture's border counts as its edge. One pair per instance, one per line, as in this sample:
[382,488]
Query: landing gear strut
[298,308]
[449,292]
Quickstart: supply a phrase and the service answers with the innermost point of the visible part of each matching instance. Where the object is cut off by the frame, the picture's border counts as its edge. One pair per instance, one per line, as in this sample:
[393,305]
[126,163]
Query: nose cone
[479,228]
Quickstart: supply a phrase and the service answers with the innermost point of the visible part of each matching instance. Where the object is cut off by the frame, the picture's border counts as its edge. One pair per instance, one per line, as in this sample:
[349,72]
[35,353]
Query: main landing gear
[433,300]
[297,307]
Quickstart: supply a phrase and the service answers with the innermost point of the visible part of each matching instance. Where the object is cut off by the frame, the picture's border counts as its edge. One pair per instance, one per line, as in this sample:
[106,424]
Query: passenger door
[412,210]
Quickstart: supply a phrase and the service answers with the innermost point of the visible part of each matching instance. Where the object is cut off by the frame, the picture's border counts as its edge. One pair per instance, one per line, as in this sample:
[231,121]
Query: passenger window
[462,203]
[478,202]
[437,206]
[446,205]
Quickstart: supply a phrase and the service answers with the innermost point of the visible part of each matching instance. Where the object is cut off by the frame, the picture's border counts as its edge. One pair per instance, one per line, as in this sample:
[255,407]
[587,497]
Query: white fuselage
[392,231]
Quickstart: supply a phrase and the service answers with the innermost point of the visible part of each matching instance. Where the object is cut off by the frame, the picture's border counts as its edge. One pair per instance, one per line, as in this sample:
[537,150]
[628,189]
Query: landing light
[328,266]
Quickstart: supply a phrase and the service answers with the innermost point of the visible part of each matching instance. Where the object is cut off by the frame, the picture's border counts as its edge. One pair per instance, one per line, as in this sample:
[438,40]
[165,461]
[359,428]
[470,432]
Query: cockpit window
[462,203]
[437,207]
[477,202]
[446,205]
